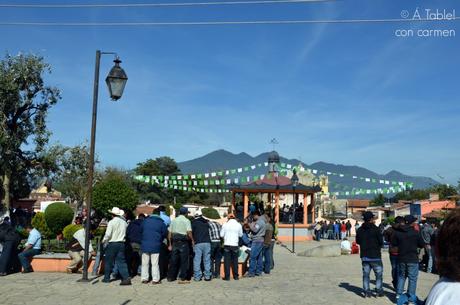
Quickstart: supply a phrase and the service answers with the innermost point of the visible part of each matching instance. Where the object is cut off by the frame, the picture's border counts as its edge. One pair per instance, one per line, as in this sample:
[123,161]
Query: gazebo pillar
[312,202]
[277,207]
[246,204]
[305,208]
[233,202]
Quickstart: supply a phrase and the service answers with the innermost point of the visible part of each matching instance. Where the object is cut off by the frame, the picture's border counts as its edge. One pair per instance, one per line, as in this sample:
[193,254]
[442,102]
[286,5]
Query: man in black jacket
[407,240]
[10,239]
[370,241]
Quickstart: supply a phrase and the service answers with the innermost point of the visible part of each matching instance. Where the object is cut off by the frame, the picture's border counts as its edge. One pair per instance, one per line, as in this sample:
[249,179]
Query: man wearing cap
[407,240]
[180,232]
[370,240]
[202,247]
[231,233]
[115,251]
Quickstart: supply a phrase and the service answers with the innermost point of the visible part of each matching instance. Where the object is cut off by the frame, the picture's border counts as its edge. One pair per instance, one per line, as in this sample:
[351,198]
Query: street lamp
[116,81]
[295,183]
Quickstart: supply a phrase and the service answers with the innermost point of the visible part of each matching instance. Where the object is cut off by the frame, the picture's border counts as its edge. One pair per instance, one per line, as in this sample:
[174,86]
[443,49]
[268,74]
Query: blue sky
[350,94]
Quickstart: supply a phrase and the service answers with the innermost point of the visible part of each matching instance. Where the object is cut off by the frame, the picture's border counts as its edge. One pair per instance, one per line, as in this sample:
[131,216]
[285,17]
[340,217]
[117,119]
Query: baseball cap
[183,210]
[368,215]
[198,213]
[231,216]
[409,219]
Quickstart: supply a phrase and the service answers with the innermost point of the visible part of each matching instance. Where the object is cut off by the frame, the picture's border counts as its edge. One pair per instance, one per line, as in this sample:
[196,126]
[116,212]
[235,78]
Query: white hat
[198,213]
[117,211]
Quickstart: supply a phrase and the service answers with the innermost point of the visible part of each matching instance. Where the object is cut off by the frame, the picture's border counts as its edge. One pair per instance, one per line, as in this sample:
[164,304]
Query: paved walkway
[295,280]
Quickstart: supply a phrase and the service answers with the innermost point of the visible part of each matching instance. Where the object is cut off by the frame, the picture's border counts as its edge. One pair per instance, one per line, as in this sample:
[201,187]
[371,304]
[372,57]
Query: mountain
[222,159]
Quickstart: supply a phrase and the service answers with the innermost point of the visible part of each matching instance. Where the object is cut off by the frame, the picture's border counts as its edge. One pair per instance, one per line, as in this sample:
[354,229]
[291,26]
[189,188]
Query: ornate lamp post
[116,81]
[295,183]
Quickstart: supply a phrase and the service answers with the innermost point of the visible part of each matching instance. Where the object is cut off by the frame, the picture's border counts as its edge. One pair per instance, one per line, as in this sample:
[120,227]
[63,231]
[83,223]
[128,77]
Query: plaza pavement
[295,280]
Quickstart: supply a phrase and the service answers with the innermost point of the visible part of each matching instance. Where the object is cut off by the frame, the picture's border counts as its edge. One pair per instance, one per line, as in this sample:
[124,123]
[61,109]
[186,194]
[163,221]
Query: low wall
[53,262]
[58,262]
[300,234]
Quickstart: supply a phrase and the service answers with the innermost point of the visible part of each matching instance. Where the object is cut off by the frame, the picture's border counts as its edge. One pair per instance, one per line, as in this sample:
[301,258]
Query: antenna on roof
[274,142]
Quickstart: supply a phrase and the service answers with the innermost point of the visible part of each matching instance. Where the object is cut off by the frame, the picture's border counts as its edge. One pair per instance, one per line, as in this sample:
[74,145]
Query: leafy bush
[111,192]
[57,216]
[210,213]
[70,230]
[39,223]
[99,232]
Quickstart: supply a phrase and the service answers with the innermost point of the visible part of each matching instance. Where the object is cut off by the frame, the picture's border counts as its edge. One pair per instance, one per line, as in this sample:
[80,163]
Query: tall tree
[71,177]
[24,104]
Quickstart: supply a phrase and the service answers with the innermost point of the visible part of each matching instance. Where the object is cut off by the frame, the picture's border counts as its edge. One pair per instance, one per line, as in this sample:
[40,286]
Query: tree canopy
[25,100]
[113,191]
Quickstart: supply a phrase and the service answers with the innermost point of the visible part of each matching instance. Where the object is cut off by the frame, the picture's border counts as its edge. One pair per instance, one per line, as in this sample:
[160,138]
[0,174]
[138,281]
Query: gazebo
[278,196]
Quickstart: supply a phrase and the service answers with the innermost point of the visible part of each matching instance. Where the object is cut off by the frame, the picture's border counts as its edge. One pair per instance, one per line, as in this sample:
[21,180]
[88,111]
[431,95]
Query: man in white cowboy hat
[115,250]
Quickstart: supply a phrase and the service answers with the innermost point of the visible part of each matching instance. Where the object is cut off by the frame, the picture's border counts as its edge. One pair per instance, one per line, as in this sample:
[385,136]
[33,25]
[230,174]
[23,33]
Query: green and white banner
[221,177]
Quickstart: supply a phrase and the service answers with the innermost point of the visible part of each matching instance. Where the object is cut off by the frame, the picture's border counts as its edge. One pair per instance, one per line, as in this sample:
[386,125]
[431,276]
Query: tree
[72,171]
[39,223]
[24,104]
[378,200]
[158,166]
[58,215]
[443,190]
[113,191]
[163,166]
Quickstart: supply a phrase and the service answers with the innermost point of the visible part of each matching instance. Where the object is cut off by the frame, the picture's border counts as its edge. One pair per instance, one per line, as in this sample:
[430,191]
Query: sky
[353,94]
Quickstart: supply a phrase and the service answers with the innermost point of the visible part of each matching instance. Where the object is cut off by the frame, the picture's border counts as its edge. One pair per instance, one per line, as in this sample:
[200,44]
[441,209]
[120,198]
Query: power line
[198,23]
[136,5]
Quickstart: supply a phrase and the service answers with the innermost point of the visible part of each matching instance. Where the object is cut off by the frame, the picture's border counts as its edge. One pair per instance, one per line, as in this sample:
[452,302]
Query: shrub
[39,223]
[111,192]
[210,213]
[57,216]
[70,230]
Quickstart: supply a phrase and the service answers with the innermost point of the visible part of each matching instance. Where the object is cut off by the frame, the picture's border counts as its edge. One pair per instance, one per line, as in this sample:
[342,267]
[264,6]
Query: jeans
[317,235]
[231,259]
[216,258]
[429,267]
[394,271]
[202,253]
[256,258]
[97,263]
[24,258]
[179,260]
[411,270]
[115,253]
[377,266]
[272,260]
[9,248]
[150,263]
[267,254]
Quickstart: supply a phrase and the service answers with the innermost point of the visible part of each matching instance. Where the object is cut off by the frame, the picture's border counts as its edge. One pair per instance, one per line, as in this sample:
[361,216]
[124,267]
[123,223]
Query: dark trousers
[231,259]
[9,249]
[216,258]
[267,258]
[133,258]
[25,256]
[179,260]
[394,270]
[115,253]
[164,261]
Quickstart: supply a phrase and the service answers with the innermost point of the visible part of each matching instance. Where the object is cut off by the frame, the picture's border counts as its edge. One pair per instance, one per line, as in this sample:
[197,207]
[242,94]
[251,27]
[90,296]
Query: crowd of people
[156,247]
[332,230]
[412,246]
